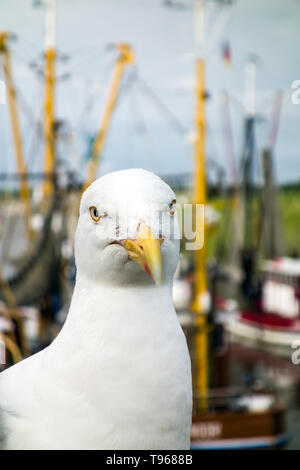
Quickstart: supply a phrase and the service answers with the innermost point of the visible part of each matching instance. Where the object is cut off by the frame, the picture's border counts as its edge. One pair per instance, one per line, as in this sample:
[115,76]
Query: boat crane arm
[125,57]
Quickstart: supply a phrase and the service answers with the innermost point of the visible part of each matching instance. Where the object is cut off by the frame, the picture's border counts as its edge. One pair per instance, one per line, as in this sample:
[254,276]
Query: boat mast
[11,94]
[248,157]
[125,57]
[200,305]
[249,250]
[15,124]
[270,230]
[199,198]
[50,55]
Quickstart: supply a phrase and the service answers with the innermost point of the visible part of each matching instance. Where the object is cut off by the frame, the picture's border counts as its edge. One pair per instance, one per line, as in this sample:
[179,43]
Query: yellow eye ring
[94,214]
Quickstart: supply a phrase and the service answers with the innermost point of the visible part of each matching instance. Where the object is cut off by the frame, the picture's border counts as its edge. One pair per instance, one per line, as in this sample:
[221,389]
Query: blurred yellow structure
[125,57]
[15,125]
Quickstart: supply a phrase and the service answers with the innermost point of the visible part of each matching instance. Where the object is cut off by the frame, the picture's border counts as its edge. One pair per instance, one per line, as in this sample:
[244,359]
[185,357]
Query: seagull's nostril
[140,247]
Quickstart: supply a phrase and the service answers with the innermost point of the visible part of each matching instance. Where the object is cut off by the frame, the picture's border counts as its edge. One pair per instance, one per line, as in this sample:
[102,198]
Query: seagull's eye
[94,213]
[172,207]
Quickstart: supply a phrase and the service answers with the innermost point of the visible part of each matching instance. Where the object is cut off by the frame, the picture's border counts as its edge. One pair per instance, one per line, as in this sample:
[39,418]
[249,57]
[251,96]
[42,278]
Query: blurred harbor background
[203,93]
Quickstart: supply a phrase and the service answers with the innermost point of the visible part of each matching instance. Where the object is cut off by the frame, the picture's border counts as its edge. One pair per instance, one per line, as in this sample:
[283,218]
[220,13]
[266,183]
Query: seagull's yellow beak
[145,251]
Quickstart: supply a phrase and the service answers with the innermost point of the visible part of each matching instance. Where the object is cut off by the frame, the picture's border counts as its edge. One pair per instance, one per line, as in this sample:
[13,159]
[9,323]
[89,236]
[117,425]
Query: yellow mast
[125,56]
[201,297]
[201,378]
[11,94]
[50,54]
[200,286]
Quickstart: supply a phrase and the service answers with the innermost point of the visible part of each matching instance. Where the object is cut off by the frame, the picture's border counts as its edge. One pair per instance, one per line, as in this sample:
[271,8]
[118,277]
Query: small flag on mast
[226,53]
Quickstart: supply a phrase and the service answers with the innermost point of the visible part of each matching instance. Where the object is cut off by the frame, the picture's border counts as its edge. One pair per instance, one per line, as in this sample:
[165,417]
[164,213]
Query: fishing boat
[239,420]
[30,232]
[229,417]
[223,418]
[274,321]
[267,288]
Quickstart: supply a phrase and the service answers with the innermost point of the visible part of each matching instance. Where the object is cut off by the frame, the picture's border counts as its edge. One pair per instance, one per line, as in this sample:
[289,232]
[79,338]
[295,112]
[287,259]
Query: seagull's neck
[98,307]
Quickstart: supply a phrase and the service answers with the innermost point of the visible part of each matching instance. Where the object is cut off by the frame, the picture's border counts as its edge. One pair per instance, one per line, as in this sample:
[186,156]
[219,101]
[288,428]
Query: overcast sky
[163,41]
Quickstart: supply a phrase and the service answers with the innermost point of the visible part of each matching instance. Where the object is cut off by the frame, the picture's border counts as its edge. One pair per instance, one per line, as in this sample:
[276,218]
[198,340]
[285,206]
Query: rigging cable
[174,122]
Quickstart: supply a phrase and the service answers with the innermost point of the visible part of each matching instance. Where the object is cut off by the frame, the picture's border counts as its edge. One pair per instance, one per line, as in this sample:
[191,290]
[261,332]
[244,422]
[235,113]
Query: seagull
[118,375]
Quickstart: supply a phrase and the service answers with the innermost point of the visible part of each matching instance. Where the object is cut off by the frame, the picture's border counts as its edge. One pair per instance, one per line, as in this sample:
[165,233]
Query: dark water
[293,422]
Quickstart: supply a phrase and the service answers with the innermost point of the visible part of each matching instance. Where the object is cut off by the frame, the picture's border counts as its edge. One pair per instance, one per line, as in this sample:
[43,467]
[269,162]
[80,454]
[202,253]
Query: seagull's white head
[127,231]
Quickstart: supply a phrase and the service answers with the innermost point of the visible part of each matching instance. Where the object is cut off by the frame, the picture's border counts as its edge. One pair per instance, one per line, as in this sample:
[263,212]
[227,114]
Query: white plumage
[118,375]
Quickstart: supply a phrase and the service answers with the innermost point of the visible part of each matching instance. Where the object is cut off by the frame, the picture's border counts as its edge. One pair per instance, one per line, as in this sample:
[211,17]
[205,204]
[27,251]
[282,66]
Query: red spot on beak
[147,269]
